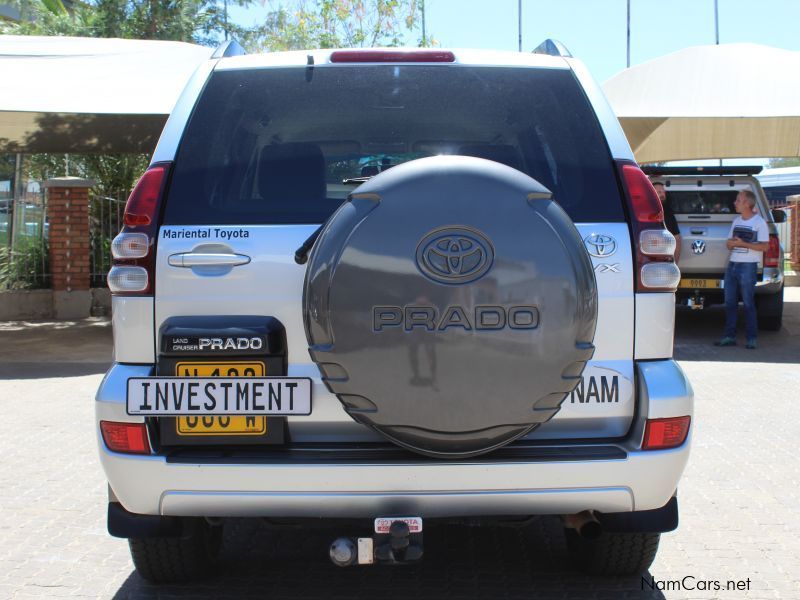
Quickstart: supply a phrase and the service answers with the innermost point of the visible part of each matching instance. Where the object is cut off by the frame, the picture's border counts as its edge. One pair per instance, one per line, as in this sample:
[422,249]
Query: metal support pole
[628,63]
[16,202]
[424,34]
[225,20]
[716,35]
[519,21]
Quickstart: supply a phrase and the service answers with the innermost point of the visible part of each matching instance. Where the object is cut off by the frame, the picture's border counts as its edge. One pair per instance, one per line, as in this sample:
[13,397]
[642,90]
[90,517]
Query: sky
[595,30]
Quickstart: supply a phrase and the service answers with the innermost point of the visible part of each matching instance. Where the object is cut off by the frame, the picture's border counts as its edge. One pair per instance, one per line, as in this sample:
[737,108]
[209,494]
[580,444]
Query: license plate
[218,396]
[235,425]
[701,284]
[216,426]
[220,369]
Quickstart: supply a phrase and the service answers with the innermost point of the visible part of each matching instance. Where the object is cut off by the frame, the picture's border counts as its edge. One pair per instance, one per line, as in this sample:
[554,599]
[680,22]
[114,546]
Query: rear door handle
[699,231]
[199,259]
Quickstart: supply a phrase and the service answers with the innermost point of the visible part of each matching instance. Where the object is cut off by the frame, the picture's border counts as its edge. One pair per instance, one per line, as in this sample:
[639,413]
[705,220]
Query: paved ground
[739,497]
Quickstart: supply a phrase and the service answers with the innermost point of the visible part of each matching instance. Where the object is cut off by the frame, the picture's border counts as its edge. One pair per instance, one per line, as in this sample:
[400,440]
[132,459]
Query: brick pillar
[794,227]
[68,216]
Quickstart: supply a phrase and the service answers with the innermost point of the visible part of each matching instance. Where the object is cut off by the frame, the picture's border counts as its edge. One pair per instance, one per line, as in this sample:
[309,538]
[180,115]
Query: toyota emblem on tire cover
[454,255]
[600,245]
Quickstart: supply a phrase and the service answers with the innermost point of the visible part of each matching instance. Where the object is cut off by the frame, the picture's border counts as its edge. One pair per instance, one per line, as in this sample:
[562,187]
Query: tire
[171,560]
[613,553]
[422,305]
[770,311]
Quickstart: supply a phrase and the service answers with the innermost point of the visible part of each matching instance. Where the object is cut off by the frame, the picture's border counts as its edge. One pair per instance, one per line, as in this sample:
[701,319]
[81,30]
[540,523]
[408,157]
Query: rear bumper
[771,282]
[616,477]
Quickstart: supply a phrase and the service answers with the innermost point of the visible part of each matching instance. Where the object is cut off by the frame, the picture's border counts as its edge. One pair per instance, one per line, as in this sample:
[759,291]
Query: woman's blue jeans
[740,280]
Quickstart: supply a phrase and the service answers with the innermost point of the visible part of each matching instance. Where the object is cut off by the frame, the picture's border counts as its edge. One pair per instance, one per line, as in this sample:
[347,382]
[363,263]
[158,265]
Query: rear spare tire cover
[450,305]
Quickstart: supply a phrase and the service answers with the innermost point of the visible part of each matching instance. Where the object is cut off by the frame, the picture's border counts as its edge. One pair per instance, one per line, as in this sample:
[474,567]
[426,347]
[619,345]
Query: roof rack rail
[227,49]
[552,48]
[732,170]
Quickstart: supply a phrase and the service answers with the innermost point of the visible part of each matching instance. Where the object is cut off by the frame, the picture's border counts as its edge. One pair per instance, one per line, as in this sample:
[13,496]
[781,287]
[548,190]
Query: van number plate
[700,284]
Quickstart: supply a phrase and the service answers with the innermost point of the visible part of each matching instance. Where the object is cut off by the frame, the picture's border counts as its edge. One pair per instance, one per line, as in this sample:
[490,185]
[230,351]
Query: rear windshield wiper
[301,254]
[358,179]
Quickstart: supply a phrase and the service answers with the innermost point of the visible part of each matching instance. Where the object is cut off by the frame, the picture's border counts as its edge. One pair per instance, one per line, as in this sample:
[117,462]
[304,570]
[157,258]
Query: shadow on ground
[696,331]
[460,562]
[38,349]
[38,370]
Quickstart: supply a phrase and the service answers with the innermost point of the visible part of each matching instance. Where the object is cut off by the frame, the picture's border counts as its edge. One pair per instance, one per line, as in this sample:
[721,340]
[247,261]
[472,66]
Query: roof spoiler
[228,49]
[743,170]
[552,48]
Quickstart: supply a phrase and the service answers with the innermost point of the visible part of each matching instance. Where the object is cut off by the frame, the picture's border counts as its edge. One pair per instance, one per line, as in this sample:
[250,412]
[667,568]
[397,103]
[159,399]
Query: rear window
[702,202]
[287,145]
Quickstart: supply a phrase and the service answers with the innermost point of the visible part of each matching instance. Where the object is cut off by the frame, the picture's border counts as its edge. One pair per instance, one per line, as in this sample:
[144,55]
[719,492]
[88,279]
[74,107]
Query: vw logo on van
[600,245]
[454,255]
[698,246]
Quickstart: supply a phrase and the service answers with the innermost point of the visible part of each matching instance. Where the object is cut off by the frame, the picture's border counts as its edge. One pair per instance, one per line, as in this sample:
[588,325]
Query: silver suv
[392,286]
[701,198]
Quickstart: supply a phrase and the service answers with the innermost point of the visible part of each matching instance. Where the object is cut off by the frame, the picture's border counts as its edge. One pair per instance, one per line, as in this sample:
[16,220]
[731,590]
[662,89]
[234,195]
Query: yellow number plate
[700,284]
[233,425]
[221,369]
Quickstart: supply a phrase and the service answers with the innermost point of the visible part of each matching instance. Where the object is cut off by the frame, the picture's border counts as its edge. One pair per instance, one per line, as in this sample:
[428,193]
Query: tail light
[131,245]
[657,242]
[128,438]
[654,246]
[392,56]
[772,256]
[134,249]
[661,434]
[128,279]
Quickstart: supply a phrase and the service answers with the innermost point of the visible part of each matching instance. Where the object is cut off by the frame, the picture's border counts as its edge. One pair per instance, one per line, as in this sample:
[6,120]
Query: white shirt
[753,230]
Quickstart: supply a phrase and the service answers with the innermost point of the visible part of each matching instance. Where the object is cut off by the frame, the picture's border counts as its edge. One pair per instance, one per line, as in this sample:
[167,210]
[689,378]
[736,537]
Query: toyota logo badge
[599,245]
[454,255]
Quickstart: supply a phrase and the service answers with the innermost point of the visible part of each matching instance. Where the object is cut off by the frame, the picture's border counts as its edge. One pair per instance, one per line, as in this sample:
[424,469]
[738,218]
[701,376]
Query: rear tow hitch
[396,541]
[696,302]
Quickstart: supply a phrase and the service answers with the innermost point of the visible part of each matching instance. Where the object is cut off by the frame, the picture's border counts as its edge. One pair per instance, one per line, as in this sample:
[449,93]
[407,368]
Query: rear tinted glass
[283,145]
[702,202]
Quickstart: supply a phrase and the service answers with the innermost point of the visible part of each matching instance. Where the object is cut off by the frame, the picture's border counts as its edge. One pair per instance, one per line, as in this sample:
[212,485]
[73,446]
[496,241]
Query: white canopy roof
[779,177]
[727,101]
[125,88]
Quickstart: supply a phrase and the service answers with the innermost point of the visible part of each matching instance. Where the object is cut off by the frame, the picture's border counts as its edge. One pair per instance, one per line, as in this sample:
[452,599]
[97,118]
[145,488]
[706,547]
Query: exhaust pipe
[343,552]
[585,523]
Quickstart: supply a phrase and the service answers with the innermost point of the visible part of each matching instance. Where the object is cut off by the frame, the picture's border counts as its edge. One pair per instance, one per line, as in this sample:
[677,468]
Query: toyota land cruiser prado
[390,286]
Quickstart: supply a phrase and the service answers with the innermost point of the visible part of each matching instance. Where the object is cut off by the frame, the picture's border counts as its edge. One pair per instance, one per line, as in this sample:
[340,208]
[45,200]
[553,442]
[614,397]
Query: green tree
[300,24]
[775,163]
[198,21]
[48,17]
[115,174]
[289,25]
